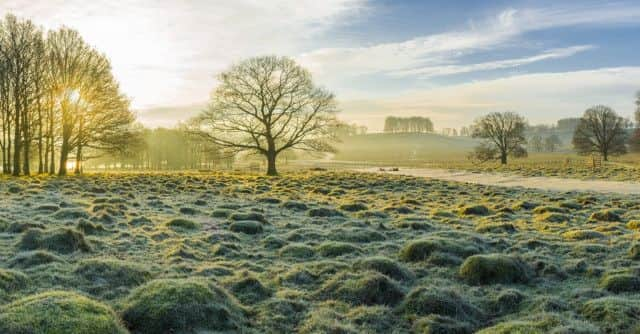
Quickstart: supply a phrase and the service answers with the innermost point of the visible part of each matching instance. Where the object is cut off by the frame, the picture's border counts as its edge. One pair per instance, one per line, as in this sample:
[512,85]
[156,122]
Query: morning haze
[340,166]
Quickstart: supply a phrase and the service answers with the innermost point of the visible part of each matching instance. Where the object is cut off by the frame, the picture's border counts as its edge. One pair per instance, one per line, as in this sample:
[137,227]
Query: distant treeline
[413,124]
[166,149]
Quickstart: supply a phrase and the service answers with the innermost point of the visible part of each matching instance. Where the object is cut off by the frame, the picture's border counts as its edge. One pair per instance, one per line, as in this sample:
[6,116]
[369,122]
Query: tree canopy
[601,131]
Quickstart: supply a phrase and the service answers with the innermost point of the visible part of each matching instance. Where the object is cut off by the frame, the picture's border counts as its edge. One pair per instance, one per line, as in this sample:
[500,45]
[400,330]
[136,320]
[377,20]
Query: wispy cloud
[433,71]
[447,48]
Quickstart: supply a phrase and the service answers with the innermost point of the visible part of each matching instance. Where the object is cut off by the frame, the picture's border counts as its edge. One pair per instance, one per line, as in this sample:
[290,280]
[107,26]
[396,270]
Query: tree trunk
[271,163]
[503,158]
[64,154]
[16,145]
[78,160]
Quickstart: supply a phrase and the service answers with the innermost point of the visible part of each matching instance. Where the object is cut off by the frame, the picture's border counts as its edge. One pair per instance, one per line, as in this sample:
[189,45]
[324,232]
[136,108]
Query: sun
[71,165]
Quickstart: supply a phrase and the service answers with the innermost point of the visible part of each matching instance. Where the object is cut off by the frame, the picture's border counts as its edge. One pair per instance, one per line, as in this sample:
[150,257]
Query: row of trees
[58,98]
[599,131]
[407,124]
[538,143]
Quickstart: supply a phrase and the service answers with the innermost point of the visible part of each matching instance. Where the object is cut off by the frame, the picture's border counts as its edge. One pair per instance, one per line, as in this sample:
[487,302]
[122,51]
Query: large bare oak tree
[268,105]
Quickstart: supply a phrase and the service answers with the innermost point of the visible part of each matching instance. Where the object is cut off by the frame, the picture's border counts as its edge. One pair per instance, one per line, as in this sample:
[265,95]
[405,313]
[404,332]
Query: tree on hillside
[503,135]
[418,124]
[601,131]
[268,105]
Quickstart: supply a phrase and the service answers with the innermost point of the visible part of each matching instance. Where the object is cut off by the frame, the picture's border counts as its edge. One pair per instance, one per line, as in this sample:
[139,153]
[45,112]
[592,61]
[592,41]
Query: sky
[452,61]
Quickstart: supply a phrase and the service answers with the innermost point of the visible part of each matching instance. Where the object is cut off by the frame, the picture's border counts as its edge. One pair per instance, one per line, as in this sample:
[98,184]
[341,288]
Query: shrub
[617,283]
[333,249]
[419,250]
[182,224]
[59,312]
[385,266]
[494,268]
[61,240]
[246,227]
[369,288]
[175,305]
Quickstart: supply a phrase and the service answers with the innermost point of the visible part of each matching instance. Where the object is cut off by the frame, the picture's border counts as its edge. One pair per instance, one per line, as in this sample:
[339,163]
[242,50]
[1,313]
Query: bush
[369,288]
[419,250]
[333,249]
[621,283]
[246,227]
[57,312]
[494,268]
[182,224]
[424,301]
[385,266]
[175,305]
[61,240]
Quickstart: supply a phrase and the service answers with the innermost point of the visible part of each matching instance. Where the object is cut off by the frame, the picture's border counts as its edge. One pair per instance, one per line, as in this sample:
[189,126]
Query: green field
[313,252]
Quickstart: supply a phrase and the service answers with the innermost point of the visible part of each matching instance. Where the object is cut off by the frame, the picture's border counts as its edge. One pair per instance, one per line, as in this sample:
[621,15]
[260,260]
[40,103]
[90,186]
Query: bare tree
[503,134]
[268,105]
[602,131]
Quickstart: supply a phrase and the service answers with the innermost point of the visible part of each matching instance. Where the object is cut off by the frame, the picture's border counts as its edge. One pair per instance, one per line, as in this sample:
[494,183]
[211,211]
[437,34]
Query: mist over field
[338,166]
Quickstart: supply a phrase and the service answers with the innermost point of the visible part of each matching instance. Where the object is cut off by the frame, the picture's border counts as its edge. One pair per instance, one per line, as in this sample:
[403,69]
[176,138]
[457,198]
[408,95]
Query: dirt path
[504,180]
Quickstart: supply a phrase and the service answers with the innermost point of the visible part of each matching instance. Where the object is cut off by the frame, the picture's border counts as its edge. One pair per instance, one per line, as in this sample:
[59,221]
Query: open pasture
[315,252]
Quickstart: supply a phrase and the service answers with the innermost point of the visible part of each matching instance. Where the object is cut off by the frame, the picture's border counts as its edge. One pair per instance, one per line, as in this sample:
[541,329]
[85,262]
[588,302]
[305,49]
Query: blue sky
[448,60]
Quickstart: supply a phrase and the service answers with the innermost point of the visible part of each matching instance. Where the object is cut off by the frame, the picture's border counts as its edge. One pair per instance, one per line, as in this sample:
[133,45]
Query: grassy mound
[182,224]
[385,266]
[607,215]
[297,250]
[12,280]
[112,273]
[474,210]
[440,324]
[174,305]
[634,251]
[248,289]
[613,314]
[61,240]
[369,288]
[324,212]
[253,216]
[333,249]
[419,250]
[58,312]
[582,235]
[494,268]
[32,259]
[618,283]
[424,301]
[246,227]
[542,324]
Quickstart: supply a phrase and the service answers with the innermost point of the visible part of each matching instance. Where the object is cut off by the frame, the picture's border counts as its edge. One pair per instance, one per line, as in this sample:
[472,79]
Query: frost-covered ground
[313,253]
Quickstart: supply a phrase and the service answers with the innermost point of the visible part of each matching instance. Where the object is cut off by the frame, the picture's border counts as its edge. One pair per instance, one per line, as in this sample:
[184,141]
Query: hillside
[403,146]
